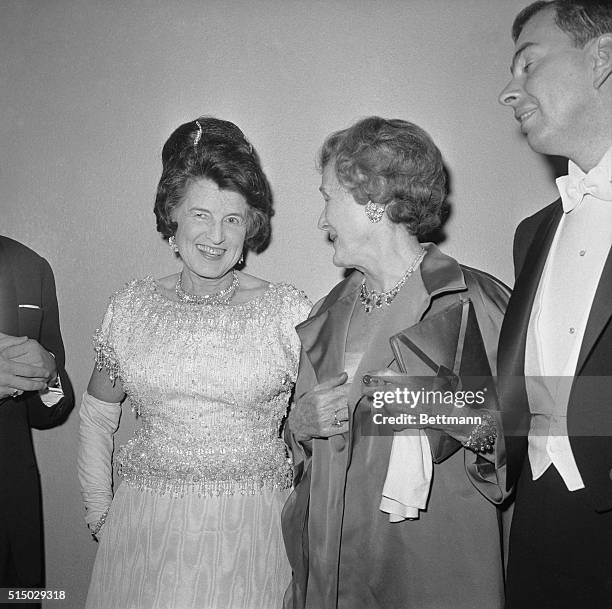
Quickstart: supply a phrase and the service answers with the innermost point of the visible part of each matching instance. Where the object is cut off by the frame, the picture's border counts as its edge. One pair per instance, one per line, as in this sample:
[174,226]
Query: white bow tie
[573,188]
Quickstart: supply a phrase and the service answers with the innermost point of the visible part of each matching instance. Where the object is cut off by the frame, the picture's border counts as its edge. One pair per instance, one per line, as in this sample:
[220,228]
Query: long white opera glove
[99,421]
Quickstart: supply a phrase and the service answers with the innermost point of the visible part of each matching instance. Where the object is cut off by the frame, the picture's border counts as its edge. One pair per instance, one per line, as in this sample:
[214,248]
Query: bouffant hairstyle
[216,150]
[583,20]
[393,163]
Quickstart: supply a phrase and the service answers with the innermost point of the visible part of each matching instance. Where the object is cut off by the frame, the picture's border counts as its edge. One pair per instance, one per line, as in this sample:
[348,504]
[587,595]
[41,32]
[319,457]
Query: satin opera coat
[343,550]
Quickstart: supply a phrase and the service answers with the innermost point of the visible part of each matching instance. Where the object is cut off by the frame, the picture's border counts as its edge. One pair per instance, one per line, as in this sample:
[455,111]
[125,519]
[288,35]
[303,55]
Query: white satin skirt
[163,552]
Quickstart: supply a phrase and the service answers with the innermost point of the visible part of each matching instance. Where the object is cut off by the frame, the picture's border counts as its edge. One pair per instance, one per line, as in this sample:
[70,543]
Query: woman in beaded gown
[207,358]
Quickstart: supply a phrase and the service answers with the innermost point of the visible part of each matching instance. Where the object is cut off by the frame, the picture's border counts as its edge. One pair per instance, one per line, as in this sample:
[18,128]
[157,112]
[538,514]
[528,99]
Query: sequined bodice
[210,385]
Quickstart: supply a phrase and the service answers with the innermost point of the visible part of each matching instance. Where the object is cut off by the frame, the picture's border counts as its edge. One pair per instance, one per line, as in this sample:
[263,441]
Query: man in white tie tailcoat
[555,352]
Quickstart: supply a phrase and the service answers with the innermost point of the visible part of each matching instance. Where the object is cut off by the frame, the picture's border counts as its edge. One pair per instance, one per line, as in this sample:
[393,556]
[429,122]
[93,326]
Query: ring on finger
[338,422]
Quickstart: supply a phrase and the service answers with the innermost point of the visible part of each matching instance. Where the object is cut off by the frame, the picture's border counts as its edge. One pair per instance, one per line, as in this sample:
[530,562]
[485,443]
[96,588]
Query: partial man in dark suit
[555,352]
[34,392]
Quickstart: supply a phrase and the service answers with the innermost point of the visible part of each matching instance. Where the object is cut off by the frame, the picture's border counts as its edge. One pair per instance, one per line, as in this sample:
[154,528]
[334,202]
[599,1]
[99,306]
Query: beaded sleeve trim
[105,356]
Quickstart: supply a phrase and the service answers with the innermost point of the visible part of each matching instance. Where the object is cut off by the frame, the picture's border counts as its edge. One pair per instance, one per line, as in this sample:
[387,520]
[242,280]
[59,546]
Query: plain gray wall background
[91,89]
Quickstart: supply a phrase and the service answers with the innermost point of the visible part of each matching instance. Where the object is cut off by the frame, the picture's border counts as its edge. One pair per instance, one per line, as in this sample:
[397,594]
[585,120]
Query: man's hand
[24,365]
[322,412]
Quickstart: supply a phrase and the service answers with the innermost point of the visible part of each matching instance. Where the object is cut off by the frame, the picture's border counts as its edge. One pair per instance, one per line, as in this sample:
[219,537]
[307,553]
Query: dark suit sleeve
[50,338]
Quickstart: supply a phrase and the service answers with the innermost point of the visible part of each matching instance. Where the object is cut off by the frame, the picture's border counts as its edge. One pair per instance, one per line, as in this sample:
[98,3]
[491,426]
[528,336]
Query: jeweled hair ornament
[198,135]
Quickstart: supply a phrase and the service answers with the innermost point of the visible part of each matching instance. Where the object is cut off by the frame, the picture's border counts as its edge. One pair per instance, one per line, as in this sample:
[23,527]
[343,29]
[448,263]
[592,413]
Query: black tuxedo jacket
[589,415]
[26,279]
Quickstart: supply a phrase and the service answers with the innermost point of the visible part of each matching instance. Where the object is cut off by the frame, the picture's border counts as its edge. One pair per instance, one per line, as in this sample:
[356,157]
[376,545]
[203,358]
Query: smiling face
[211,228]
[345,222]
[551,89]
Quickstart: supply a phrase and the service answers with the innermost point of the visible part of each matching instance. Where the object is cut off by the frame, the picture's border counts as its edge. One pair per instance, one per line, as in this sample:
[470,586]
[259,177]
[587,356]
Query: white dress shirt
[560,313]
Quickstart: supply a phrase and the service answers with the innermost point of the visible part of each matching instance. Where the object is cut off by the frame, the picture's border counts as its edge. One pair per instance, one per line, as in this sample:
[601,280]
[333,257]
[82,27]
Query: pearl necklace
[217,298]
[371,299]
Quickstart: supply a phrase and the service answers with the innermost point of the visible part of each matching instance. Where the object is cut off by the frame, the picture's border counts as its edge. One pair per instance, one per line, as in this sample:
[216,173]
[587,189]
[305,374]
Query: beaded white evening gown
[195,523]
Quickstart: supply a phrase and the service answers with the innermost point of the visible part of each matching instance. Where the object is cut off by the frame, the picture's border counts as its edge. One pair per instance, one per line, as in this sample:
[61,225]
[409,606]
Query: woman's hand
[321,412]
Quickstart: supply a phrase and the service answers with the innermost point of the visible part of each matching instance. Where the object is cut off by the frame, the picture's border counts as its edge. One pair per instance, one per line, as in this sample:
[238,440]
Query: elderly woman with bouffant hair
[207,358]
[402,516]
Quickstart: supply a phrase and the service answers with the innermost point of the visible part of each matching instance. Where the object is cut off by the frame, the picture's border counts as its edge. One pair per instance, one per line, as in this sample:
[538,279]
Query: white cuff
[52,395]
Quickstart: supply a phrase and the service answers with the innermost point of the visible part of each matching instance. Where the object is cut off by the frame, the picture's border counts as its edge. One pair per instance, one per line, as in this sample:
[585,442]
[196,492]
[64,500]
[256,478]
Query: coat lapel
[9,311]
[512,345]
[600,315]
[323,336]
[513,338]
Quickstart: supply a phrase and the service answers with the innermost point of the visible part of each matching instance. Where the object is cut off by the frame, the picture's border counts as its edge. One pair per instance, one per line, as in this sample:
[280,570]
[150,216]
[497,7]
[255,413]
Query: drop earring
[173,245]
[374,212]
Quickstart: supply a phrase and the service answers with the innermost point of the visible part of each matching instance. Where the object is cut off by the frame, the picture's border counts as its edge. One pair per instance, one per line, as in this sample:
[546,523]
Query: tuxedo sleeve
[40,415]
